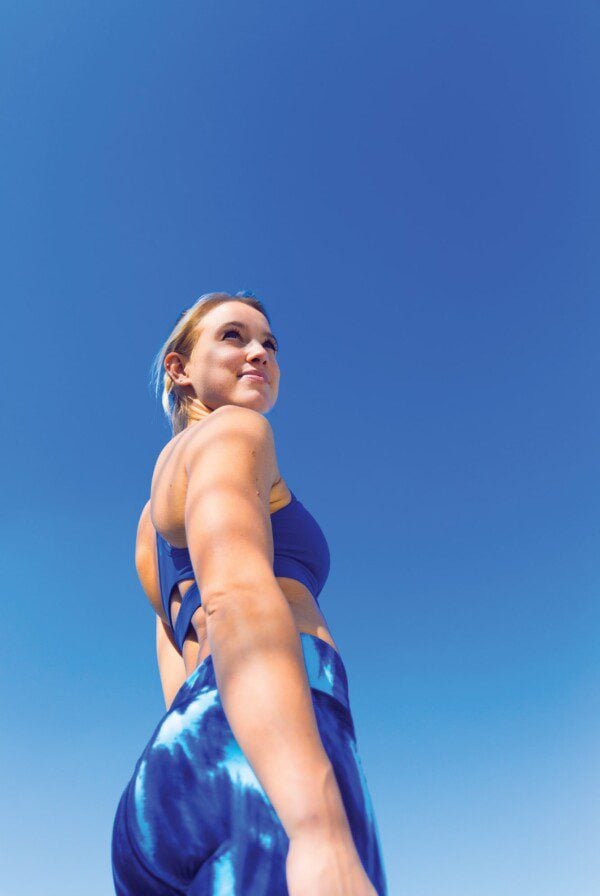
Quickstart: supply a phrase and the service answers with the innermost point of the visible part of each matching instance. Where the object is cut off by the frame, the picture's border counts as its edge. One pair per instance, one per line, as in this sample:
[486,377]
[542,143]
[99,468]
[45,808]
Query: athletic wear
[195,820]
[300,552]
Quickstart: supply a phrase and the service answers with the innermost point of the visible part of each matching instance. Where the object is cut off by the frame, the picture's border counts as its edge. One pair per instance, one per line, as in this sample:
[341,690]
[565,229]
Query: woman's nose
[257,351]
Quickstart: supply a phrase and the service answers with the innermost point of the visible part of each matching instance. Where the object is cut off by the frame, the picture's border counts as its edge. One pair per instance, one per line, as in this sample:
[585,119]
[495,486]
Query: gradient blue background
[413,189]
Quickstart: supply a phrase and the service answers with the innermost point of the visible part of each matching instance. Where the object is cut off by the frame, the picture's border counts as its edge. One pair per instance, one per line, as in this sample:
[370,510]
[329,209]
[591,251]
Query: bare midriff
[305,610]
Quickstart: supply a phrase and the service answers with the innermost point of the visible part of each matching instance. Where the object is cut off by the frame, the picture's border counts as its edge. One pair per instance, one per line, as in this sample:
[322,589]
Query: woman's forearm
[262,681]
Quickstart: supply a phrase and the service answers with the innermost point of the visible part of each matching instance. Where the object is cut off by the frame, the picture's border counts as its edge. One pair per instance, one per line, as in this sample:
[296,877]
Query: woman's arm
[256,649]
[171,667]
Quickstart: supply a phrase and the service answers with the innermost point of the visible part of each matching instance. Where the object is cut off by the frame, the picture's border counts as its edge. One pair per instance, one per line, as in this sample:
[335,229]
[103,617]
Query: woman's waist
[306,612]
[324,668]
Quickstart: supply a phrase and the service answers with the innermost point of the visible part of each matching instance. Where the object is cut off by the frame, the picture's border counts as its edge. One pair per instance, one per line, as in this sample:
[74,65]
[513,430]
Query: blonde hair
[181,408]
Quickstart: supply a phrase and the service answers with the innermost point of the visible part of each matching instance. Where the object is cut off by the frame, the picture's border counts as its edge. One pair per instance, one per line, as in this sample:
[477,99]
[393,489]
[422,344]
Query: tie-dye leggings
[194,818]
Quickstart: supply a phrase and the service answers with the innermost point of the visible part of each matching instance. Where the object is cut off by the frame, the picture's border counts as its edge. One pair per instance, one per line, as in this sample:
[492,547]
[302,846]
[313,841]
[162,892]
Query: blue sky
[413,189]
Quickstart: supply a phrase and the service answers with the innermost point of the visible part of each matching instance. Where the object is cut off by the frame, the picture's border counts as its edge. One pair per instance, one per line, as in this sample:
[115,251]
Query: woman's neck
[197,410]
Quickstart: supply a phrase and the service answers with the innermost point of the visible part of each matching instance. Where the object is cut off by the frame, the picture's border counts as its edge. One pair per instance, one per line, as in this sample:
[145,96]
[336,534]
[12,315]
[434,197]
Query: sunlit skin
[212,374]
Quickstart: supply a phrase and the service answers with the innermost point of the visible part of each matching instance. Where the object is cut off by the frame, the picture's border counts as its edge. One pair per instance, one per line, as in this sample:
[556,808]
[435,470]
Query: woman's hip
[193,792]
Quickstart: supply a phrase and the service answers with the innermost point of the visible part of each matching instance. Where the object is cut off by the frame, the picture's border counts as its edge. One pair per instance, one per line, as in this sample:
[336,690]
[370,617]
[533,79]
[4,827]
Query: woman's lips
[254,376]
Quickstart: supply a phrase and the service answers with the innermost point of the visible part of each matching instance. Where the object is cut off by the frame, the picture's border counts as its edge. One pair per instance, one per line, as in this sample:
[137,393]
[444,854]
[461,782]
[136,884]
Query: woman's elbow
[253,590]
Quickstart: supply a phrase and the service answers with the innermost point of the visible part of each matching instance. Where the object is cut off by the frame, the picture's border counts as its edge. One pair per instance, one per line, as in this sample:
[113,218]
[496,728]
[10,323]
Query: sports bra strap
[189,604]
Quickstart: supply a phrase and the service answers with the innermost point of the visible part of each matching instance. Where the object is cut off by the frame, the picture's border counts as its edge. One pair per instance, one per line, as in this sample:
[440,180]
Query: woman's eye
[237,333]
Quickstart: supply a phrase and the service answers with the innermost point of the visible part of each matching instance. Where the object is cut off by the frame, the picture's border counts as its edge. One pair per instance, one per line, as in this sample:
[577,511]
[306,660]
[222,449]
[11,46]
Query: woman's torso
[168,504]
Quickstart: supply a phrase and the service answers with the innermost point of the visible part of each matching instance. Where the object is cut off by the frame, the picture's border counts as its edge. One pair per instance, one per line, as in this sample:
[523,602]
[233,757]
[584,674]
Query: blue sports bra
[300,552]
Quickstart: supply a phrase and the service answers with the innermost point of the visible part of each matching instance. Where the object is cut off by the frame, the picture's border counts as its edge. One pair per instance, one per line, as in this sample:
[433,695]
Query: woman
[251,784]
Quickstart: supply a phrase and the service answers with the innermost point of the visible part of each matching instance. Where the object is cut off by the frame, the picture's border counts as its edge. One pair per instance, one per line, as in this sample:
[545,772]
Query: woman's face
[234,341]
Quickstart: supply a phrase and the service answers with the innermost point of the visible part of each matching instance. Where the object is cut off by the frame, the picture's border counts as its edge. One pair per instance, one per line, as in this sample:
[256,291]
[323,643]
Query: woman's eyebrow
[238,323]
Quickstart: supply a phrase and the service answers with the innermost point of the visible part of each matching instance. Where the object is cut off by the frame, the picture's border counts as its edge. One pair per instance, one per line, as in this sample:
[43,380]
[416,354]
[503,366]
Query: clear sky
[413,189]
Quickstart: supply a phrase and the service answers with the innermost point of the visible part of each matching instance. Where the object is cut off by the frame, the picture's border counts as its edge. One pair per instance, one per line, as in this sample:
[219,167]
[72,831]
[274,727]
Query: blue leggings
[194,818]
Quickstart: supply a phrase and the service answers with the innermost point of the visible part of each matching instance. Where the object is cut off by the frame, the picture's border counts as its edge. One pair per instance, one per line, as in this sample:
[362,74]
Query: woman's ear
[175,366]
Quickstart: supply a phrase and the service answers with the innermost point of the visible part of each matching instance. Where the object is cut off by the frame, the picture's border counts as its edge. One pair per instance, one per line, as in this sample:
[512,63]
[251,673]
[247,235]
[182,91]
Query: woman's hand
[322,865]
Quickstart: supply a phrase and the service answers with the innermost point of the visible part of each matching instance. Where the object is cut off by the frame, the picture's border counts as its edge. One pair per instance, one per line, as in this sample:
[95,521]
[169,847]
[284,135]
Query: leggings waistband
[324,668]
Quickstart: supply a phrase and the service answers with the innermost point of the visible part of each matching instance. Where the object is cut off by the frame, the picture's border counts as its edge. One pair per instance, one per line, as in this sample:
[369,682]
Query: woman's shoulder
[166,508]
[224,432]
